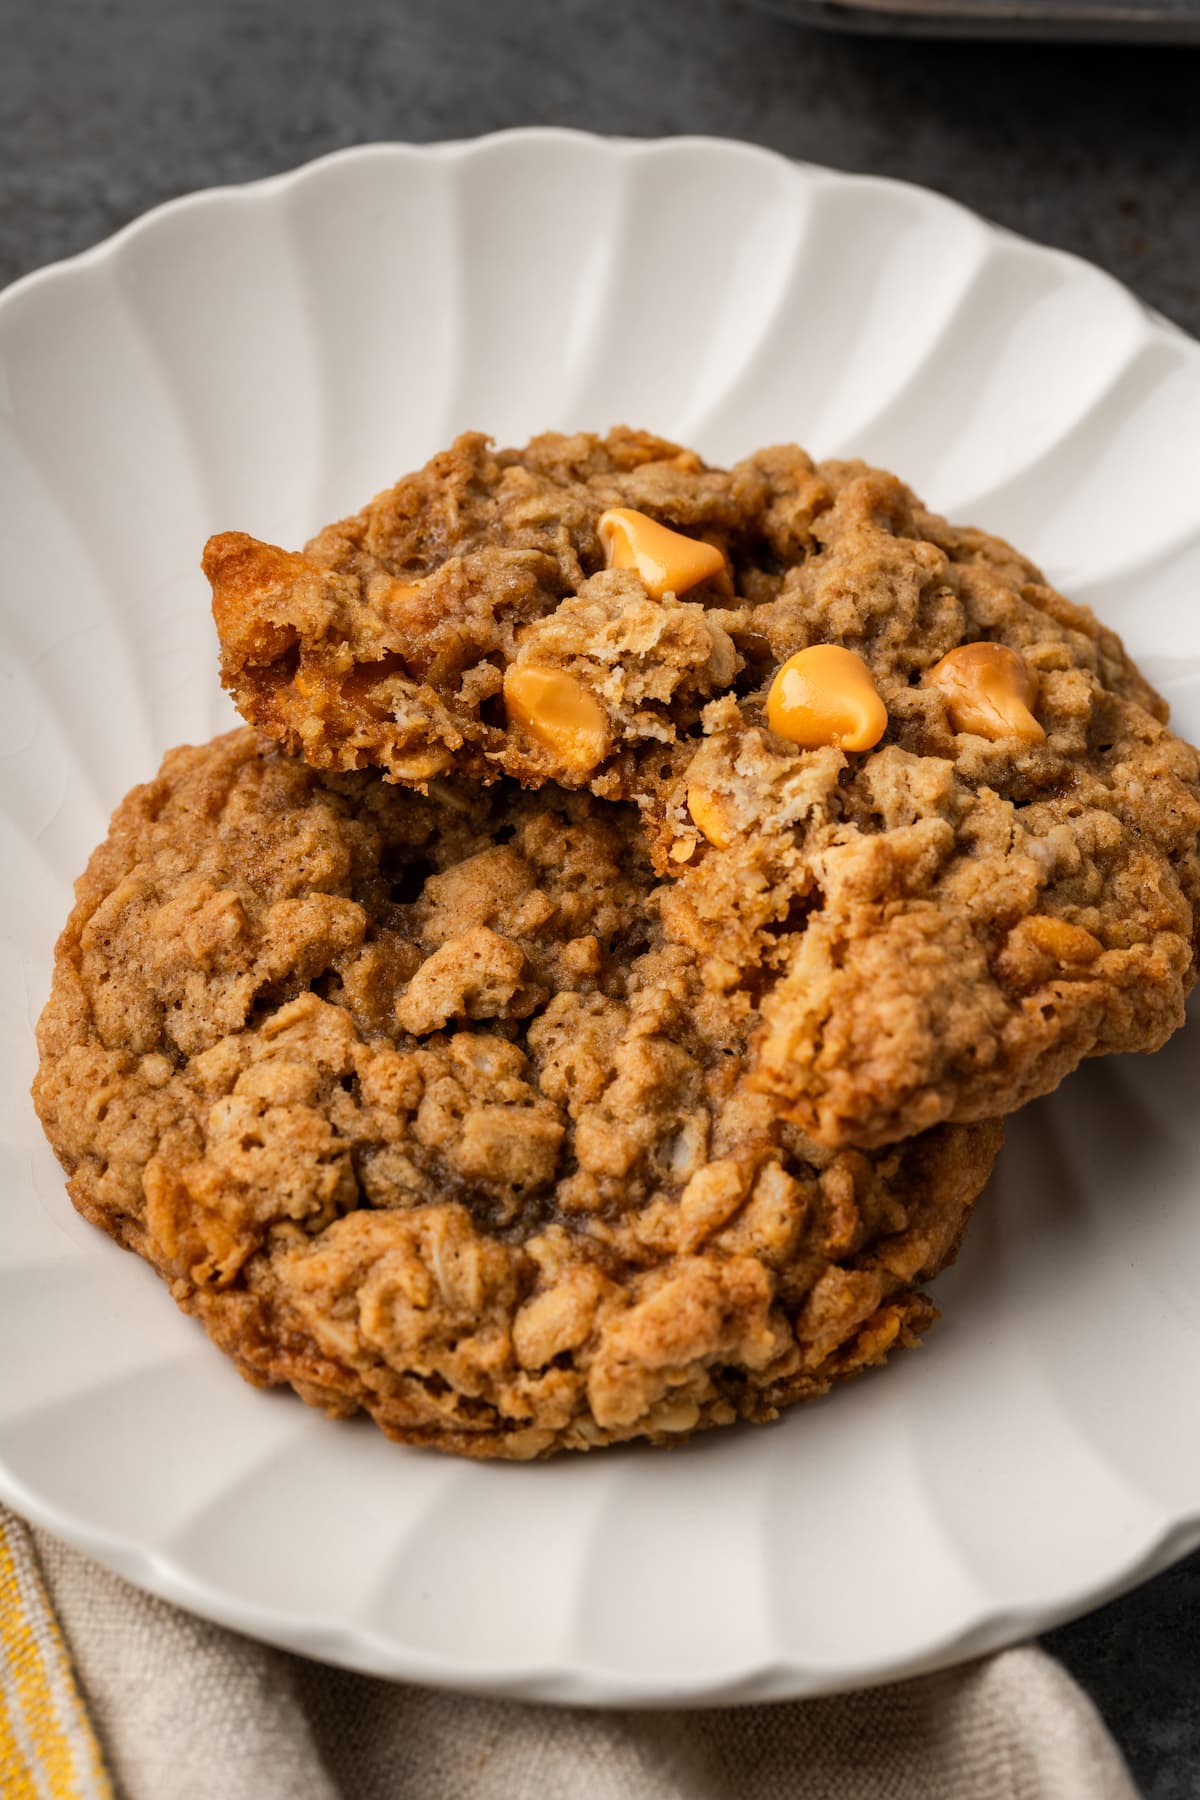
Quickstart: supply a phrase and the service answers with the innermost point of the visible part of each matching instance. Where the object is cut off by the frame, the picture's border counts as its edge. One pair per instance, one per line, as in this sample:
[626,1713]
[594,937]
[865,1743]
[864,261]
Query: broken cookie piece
[393,638]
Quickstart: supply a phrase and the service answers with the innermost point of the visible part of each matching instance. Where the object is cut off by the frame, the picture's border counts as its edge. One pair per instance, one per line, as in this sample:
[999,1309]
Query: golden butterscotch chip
[710,815]
[990,690]
[556,709]
[422,764]
[395,598]
[1045,949]
[826,695]
[1069,943]
[667,561]
[415,1104]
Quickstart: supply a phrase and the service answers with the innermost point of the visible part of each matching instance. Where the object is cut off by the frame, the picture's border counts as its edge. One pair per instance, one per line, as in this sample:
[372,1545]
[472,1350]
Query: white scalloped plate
[265,357]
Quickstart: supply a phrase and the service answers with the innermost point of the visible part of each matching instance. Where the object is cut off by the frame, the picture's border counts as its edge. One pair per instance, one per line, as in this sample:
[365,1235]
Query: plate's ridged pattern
[263,358]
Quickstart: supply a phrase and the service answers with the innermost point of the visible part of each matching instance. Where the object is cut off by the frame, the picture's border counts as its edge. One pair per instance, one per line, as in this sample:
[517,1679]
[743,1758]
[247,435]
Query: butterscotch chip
[990,690]
[710,815]
[556,709]
[418,1106]
[668,562]
[825,696]
[864,890]
[1069,943]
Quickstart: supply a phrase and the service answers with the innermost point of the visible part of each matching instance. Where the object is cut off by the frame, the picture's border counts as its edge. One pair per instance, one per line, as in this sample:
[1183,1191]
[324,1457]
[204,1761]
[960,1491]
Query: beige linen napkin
[187,1711]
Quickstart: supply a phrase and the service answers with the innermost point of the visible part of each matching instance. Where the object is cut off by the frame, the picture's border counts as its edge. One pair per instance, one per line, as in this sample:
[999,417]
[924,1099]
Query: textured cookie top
[937,925]
[417,1102]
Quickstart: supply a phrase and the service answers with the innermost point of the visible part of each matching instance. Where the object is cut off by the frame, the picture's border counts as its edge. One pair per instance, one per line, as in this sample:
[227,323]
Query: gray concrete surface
[108,106]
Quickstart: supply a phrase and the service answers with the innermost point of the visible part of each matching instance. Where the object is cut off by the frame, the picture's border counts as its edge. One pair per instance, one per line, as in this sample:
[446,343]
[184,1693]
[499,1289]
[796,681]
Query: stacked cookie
[581,1007]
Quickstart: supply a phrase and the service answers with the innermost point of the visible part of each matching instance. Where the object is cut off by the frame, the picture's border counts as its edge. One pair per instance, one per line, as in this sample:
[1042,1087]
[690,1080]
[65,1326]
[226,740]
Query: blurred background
[109,106]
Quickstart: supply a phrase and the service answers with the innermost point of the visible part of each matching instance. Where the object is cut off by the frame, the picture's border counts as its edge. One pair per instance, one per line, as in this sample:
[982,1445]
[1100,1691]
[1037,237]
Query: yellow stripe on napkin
[48,1750]
[16,1775]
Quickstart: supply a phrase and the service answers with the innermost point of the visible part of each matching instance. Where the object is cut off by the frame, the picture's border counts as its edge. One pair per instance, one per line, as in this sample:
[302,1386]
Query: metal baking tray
[1145,21]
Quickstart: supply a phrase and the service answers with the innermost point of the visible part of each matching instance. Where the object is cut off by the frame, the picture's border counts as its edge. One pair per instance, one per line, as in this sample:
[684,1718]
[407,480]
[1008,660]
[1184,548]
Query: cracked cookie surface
[421,1106]
[938,927]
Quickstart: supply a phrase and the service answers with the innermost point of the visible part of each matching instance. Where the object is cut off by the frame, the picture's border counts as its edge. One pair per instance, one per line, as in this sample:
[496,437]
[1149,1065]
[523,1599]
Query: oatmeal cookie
[921,812]
[418,1105]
